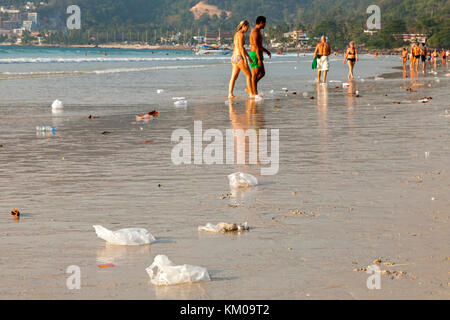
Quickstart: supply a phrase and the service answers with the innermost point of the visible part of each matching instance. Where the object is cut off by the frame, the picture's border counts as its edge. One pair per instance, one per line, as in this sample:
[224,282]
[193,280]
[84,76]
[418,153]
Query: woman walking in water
[239,60]
[352,57]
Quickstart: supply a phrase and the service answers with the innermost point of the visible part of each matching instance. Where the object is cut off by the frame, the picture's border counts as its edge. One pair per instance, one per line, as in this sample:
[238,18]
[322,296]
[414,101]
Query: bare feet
[231,96]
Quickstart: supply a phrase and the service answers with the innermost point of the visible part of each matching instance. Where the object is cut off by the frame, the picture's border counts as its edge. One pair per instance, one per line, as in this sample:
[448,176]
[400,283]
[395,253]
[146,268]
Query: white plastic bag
[242,180]
[163,272]
[125,237]
[223,227]
[180,102]
[57,105]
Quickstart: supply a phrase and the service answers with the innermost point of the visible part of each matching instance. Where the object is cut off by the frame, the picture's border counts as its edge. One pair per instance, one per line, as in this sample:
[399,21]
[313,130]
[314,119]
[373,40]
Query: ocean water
[371,176]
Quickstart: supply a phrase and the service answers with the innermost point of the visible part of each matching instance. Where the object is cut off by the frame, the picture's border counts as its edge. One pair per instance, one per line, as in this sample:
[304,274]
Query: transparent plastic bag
[242,180]
[57,104]
[125,237]
[223,227]
[163,272]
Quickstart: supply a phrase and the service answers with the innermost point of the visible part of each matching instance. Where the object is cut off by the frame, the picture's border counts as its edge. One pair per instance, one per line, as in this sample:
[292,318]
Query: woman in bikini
[352,57]
[239,60]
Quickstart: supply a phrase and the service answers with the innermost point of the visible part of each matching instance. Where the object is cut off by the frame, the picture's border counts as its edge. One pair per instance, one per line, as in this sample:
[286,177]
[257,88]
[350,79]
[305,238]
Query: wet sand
[356,167]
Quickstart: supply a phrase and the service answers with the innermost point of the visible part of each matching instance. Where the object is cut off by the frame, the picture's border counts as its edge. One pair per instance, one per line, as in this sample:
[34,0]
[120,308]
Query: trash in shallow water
[426,99]
[180,103]
[242,180]
[224,227]
[57,104]
[125,237]
[15,212]
[163,272]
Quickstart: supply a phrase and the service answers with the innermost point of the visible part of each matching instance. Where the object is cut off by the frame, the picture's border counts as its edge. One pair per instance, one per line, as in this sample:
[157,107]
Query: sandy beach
[364,179]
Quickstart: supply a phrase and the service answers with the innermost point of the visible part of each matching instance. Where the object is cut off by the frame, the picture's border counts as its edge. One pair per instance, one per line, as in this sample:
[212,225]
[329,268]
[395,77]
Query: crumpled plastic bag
[125,237]
[57,104]
[242,180]
[223,227]
[163,272]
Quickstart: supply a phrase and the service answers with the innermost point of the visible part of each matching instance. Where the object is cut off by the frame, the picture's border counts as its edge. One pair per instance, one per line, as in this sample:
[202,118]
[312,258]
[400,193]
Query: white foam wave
[105,59]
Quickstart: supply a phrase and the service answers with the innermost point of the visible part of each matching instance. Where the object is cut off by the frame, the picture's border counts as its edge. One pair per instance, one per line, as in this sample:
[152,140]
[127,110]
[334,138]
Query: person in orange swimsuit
[404,57]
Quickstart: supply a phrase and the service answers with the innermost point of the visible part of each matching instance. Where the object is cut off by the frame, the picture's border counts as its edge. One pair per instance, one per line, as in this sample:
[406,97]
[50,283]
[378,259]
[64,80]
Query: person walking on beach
[415,56]
[434,57]
[239,60]
[423,56]
[351,56]
[257,53]
[322,52]
[404,57]
[444,57]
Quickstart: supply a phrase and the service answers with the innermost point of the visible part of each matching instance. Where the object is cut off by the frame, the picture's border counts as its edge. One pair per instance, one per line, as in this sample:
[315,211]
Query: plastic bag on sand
[163,272]
[223,227]
[242,180]
[180,102]
[125,237]
[57,104]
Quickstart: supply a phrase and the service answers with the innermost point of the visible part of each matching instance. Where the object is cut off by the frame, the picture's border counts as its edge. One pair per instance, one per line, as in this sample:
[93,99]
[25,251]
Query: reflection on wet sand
[350,101]
[181,292]
[251,119]
[322,109]
[118,254]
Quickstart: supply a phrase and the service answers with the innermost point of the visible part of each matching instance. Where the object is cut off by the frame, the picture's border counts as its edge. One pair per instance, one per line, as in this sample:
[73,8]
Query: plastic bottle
[45,128]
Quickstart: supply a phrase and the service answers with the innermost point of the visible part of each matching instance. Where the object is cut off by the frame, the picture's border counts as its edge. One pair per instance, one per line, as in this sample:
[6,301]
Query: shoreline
[137,46]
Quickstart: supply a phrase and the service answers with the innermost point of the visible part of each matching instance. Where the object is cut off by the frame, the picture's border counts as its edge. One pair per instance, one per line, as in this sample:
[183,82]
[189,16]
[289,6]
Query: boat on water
[215,50]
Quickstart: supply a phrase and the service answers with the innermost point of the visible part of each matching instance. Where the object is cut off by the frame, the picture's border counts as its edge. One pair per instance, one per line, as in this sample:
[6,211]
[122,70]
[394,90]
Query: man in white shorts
[322,52]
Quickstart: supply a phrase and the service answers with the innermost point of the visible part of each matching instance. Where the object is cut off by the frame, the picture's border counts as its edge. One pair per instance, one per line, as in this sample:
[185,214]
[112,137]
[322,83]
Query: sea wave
[105,59]
[100,71]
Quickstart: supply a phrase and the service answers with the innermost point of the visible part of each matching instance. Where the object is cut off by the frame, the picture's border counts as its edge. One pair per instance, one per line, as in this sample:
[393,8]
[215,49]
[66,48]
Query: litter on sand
[242,180]
[125,237]
[163,272]
[57,104]
[109,265]
[159,91]
[224,227]
[178,98]
[15,212]
[180,102]
[426,99]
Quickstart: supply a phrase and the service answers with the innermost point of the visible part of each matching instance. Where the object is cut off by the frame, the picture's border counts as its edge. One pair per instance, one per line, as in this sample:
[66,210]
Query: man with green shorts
[256,53]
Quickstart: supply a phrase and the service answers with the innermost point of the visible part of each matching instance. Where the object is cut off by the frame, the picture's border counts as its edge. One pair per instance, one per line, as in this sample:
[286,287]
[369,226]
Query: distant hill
[345,18]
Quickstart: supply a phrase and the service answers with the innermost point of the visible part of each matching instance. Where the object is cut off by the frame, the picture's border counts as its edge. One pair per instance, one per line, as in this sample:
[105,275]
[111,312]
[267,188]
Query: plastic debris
[178,98]
[125,237]
[57,104]
[224,227]
[180,102]
[163,272]
[109,265]
[426,99]
[159,91]
[242,180]
[15,212]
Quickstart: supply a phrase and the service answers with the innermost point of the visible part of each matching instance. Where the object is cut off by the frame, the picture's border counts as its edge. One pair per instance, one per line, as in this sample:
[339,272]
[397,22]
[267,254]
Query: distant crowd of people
[255,71]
